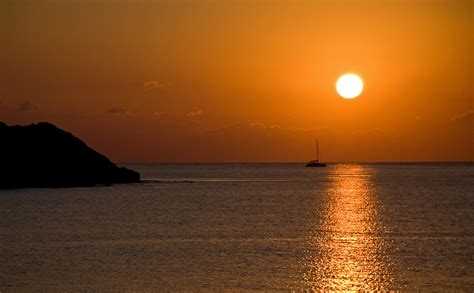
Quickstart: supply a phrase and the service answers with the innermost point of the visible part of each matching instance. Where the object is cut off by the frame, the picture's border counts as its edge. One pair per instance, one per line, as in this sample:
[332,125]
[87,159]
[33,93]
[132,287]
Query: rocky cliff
[42,155]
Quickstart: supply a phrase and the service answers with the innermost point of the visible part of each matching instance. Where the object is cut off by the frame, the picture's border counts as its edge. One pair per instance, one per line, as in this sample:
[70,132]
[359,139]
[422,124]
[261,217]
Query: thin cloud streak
[467,116]
[27,106]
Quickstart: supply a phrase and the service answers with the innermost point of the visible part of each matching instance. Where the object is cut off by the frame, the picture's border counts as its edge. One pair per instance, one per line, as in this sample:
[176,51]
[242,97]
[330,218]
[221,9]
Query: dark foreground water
[246,227]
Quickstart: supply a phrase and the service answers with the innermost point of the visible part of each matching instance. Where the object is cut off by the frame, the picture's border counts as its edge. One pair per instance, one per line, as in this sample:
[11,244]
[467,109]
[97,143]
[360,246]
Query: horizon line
[301,162]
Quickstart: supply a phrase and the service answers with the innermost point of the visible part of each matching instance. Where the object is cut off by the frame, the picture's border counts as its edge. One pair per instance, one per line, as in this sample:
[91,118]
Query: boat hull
[315,165]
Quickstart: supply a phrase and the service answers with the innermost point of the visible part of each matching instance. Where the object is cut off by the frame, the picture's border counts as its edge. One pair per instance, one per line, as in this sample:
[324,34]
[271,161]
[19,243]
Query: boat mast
[317,151]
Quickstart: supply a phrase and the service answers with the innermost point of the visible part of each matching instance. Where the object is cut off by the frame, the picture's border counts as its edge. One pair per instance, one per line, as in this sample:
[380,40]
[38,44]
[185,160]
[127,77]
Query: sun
[349,86]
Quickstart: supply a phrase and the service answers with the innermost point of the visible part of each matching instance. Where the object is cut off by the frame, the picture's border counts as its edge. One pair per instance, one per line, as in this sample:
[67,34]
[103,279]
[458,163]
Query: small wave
[166,181]
[221,180]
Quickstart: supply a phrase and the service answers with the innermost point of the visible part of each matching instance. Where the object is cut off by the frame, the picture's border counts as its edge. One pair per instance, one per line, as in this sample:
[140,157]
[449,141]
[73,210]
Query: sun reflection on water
[346,251]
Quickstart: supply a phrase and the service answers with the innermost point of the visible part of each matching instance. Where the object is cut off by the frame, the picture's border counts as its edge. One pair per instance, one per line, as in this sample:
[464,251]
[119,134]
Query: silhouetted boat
[316,163]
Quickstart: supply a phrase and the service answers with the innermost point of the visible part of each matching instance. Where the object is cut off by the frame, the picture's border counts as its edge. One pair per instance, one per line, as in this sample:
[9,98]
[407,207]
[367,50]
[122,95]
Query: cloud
[467,116]
[153,84]
[27,106]
[117,110]
[369,132]
[273,126]
[196,113]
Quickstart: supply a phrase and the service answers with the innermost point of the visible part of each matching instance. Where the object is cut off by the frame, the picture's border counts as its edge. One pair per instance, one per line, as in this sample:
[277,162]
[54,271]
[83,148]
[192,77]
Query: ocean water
[246,227]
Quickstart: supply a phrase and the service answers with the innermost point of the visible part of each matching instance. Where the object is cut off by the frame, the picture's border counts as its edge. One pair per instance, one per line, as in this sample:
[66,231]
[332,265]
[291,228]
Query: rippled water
[246,227]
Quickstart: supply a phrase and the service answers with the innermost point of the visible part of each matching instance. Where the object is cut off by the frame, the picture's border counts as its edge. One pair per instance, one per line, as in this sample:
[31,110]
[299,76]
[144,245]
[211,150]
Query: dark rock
[42,155]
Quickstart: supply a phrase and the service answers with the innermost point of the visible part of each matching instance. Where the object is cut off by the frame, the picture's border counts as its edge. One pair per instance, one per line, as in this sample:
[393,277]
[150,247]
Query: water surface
[246,227]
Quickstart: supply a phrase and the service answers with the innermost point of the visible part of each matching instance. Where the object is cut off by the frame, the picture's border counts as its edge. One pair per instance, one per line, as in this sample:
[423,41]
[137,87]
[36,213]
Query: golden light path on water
[347,253]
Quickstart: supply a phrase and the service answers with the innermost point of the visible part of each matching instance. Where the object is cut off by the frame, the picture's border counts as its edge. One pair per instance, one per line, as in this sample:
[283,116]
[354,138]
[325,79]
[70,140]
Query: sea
[246,227]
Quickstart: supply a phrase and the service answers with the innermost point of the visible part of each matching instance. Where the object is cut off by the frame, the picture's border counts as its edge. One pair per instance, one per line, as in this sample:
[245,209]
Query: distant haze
[247,81]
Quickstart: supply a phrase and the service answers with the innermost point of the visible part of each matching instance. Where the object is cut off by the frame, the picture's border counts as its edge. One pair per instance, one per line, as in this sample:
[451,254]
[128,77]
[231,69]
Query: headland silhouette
[42,155]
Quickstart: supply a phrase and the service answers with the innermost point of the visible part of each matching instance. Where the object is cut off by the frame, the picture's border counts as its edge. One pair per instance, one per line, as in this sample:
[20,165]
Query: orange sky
[166,81]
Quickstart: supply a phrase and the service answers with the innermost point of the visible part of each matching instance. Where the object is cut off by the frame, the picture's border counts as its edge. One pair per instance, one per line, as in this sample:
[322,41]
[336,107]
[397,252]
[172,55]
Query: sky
[244,81]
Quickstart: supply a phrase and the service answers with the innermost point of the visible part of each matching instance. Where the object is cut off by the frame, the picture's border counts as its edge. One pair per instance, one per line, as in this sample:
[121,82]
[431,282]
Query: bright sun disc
[349,86]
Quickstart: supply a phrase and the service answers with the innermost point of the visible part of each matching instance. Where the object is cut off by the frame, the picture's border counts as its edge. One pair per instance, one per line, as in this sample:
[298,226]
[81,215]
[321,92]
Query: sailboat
[316,163]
